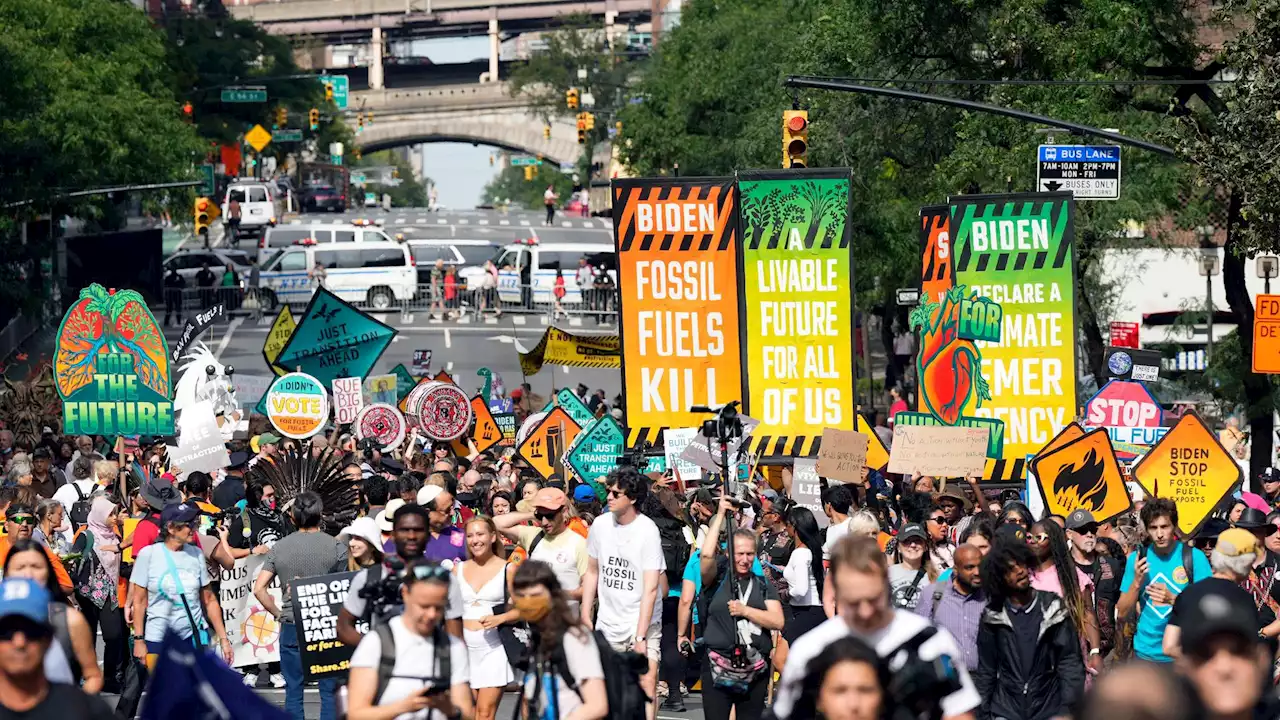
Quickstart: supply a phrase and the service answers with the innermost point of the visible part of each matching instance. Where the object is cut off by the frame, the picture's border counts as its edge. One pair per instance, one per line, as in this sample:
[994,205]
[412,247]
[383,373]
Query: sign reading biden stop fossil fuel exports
[334,339]
[1191,467]
[677,252]
[111,367]
[297,405]
[797,308]
[1018,252]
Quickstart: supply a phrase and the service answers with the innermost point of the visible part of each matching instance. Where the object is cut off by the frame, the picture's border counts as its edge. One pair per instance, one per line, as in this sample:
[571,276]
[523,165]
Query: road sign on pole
[258,137]
[206,175]
[287,135]
[341,89]
[1088,172]
[523,161]
[244,95]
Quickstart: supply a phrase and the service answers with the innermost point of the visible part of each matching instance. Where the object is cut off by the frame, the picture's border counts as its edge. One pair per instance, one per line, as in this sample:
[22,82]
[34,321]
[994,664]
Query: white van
[318,233]
[258,207]
[534,263]
[467,256]
[379,274]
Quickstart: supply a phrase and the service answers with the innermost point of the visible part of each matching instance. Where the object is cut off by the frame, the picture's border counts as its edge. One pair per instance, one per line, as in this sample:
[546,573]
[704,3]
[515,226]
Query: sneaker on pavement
[277,680]
[251,678]
[684,691]
[662,689]
[673,705]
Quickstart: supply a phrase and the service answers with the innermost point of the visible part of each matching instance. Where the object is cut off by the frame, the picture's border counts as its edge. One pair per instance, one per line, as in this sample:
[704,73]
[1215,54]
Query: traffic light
[328,91]
[282,117]
[591,120]
[528,173]
[795,138]
[203,217]
[618,126]
[368,117]
[546,132]
[314,117]
[357,151]
[582,129]
[490,159]
[188,111]
[571,98]
[360,122]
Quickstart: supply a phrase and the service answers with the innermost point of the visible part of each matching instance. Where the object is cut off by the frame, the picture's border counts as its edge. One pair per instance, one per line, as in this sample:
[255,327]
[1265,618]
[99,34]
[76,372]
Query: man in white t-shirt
[837,503]
[551,541]
[860,572]
[625,572]
[84,477]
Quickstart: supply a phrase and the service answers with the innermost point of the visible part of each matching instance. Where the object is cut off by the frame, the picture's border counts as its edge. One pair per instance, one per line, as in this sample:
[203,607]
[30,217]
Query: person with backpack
[97,576]
[741,610]
[410,667]
[77,495]
[566,673]
[549,539]
[1155,574]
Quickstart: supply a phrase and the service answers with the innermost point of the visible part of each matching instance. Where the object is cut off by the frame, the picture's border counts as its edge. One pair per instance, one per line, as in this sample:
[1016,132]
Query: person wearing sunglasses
[913,567]
[1056,572]
[550,540]
[1103,570]
[446,542]
[26,635]
[941,549]
[19,524]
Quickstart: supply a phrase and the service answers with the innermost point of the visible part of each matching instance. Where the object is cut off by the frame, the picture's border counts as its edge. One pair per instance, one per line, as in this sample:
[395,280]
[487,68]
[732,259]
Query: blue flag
[190,684]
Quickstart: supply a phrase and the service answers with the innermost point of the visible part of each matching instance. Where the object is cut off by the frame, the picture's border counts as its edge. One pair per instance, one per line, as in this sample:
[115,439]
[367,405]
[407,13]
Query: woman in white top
[804,577]
[562,649]
[484,581]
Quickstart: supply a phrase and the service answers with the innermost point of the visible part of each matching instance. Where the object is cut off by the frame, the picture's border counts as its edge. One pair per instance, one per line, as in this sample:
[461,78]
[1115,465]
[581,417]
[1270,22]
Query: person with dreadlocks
[1029,664]
[1056,572]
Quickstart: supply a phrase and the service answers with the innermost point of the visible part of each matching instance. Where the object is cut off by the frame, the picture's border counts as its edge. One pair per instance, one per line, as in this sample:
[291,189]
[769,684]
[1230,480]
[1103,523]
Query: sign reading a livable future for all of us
[1087,172]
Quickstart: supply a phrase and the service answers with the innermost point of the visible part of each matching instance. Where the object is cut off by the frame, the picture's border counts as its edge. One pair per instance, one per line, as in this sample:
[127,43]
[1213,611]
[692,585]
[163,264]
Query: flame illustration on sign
[1082,486]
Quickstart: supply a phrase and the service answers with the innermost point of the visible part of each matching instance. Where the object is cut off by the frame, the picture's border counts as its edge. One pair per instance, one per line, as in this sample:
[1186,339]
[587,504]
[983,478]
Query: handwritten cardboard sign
[940,451]
[842,455]
[806,488]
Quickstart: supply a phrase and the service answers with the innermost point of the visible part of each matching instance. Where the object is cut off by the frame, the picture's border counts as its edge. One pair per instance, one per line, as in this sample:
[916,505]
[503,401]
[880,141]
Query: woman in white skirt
[485,583]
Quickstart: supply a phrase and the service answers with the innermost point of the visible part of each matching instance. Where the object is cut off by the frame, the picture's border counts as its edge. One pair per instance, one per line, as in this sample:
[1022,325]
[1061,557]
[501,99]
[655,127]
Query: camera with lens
[917,686]
[385,593]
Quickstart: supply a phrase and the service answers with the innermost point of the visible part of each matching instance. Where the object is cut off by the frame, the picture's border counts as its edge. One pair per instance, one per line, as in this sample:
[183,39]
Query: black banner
[194,327]
[506,422]
[316,602]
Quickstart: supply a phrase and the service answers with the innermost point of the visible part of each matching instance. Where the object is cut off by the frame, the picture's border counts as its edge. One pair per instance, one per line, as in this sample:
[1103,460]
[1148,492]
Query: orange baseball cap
[550,499]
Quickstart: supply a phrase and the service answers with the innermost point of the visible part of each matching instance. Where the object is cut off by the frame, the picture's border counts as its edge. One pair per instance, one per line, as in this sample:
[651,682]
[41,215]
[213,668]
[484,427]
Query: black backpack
[675,550]
[80,509]
[622,671]
[387,657]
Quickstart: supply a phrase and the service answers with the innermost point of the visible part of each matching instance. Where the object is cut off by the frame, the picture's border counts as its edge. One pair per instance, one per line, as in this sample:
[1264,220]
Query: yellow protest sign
[877,453]
[1189,466]
[544,448]
[485,433]
[277,337]
[1070,433]
[1083,473]
[129,525]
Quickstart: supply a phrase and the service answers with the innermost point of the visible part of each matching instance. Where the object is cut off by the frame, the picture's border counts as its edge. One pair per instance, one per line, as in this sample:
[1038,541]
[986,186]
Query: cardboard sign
[347,400]
[277,337]
[877,454]
[297,405]
[543,448]
[573,405]
[1190,467]
[485,433]
[797,299]
[316,604]
[943,452]
[200,444]
[506,423]
[806,488]
[675,440]
[1083,473]
[843,455]
[254,632]
[678,285]
[1266,335]
[334,339]
[111,366]
[596,449]
[706,454]
[382,389]
[1130,415]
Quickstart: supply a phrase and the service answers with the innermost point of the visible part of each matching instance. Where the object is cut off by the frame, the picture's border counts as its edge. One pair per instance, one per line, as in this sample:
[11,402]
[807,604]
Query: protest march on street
[757,525]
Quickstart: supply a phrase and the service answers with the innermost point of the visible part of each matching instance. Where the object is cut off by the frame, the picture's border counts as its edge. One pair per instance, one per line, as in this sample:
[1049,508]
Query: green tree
[411,192]
[510,186]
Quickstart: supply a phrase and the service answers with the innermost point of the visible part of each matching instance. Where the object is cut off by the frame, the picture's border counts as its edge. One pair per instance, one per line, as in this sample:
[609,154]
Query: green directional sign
[341,89]
[596,451]
[523,161]
[287,135]
[572,405]
[244,95]
[206,176]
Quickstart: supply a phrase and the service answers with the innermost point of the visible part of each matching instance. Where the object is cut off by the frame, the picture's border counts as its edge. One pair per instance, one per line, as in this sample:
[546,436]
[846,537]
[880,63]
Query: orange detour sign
[1083,473]
[545,445]
[1189,466]
[485,433]
[1266,335]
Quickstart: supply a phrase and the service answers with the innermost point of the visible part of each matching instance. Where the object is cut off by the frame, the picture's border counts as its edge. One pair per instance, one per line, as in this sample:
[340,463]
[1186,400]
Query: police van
[378,274]
[283,236]
[533,264]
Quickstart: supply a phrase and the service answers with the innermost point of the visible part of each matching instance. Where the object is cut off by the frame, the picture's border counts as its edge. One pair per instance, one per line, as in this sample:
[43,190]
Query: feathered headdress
[294,472]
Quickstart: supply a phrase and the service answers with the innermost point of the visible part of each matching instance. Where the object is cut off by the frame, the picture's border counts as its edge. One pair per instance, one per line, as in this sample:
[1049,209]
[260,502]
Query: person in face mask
[257,528]
[561,646]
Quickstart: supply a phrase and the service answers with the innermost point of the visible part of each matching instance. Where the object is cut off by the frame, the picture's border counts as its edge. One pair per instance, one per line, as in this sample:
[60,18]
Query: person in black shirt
[231,490]
[1105,571]
[25,636]
[260,525]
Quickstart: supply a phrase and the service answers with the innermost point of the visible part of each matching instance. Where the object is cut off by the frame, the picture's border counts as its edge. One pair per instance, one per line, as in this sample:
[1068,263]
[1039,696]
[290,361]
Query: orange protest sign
[545,445]
[1083,473]
[485,433]
[1069,434]
[1189,466]
[1266,335]
[877,453]
[444,376]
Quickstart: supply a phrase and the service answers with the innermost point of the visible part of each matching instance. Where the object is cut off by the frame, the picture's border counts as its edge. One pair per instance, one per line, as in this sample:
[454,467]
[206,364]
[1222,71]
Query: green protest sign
[404,381]
[572,405]
[334,339]
[596,449]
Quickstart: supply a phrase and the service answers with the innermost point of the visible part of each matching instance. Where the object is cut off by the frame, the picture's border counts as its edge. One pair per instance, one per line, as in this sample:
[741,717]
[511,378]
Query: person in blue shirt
[1155,574]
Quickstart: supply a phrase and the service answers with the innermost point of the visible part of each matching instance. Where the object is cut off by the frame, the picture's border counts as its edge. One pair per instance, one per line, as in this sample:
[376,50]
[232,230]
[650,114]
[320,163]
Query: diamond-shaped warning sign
[1083,473]
[1190,467]
[258,137]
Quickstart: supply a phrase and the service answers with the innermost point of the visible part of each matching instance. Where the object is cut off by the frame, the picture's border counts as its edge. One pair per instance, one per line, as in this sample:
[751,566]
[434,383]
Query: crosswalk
[424,220]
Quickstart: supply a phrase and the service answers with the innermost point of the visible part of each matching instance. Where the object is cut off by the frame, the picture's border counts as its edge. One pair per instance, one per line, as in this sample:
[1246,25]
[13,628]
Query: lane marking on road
[504,222]
[448,367]
[441,221]
[448,339]
[482,222]
[400,221]
[565,223]
[463,221]
[226,337]
[524,223]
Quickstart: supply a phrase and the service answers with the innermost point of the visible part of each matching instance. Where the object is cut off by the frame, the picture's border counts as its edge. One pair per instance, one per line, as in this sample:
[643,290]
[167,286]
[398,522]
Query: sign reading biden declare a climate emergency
[677,246]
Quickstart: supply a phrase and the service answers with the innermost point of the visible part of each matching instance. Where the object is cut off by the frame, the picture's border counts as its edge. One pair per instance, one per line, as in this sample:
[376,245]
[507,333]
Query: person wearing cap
[955,507]
[446,542]
[26,636]
[545,535]
[385,525]
[169,590]
[1232,559]
[913,567]
[1260,582]
[1269,481]
[19,524]
[231,490]
[266,445]
[1104,573]
[45,478]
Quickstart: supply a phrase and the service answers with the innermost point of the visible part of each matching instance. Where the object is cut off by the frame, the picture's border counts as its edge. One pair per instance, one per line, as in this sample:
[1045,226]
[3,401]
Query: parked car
[467,256]
[189,262]
[378,274]
[322,197]
[259,207]
[317,233]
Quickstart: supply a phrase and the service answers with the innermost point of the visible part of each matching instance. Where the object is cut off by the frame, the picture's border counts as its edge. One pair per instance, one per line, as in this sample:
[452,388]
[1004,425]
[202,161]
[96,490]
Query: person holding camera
[741,609]
[387,677]
[931,677]
[374,594]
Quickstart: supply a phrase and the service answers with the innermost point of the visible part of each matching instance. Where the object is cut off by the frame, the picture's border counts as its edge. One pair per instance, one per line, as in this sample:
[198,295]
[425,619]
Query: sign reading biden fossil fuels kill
[1010,364]
[111,367]
[677,252]
[797,308]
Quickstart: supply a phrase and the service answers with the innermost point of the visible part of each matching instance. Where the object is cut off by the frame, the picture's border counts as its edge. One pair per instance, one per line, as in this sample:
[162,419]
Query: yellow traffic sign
[258,137]
[1189,466]
[877,453]
[1082,474]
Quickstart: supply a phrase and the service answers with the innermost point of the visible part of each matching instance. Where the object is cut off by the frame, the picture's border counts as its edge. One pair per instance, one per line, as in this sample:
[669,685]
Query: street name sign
[1090,172]
[341,89]
[244,95]
[523,161]
[287,135]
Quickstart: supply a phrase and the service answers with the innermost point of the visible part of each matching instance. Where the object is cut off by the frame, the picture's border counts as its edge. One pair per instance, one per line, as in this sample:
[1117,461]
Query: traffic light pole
[843,86]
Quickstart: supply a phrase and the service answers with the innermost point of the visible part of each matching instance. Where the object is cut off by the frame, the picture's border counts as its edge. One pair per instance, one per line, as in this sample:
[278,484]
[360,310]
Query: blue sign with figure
[334,339]
[1090,172]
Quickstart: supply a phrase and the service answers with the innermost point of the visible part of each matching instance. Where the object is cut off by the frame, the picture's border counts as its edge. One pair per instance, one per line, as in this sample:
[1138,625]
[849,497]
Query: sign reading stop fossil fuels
[1130,415]
[297,405]
[797,308]
[677,247]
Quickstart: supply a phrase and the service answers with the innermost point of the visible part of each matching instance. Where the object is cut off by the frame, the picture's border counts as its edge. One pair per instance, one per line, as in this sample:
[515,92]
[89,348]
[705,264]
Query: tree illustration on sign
[109,321]
[950,367]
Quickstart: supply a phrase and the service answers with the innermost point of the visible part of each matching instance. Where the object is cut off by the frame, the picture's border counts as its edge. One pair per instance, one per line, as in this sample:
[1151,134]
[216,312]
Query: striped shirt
[956,613]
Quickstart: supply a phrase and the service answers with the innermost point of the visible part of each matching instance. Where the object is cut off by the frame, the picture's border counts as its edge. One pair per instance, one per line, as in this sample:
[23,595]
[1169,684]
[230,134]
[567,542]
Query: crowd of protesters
[901,597]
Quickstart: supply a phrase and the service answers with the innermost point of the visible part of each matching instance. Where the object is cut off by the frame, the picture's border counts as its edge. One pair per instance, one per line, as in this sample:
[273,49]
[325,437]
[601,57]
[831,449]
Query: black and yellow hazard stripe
[779,446]
[1006,470]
